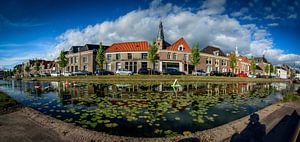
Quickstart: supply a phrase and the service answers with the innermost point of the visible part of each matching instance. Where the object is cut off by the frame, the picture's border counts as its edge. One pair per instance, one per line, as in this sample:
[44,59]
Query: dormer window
[180,47]
[216,53]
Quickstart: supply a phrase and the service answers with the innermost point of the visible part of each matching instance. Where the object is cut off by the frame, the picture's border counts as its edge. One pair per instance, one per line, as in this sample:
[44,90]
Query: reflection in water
[146,110]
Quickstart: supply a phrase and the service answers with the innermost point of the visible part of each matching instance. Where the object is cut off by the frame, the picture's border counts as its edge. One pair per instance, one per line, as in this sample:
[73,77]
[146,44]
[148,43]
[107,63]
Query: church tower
[160,37]
[236,51]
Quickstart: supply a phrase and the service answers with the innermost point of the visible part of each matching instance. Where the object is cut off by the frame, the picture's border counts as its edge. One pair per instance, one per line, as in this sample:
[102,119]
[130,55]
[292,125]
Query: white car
[123,72]
[55,74]
[252,76]
[67,74]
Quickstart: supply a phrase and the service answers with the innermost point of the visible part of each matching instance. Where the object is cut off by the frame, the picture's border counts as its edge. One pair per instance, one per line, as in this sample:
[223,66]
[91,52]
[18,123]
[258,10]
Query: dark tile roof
[261,59]
[94,47]
[258,67]
[211,50]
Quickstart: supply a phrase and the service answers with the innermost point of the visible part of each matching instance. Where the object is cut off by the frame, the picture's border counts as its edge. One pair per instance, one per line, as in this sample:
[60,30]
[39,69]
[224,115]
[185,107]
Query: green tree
[152,55]
[272,69]
[63,61]
[253,65]
[27,69]
[100,57]
[195,56]
[267,69]
[37,66]
[233,62]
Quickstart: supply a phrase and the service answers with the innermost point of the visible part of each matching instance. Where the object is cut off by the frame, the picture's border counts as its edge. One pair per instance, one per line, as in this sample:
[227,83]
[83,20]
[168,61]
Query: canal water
[145,110]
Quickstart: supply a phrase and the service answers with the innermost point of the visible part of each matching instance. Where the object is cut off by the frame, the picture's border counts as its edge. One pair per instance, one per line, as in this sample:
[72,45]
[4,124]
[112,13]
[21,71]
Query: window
[223,63]
[85,67]
[118,65]
[174,56]
[144,65]
[217,62]
[126,65]
[108,67]
[76,60]
[109,57]
[129,55]
[208,61]
[216,53]
[169,56]
[186,57]
[180,47]
[144,55]
[118,56]
[71,60]
[84,59]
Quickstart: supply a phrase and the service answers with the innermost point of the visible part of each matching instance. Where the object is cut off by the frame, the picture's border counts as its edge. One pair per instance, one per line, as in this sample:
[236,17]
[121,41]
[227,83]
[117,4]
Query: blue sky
[41,28]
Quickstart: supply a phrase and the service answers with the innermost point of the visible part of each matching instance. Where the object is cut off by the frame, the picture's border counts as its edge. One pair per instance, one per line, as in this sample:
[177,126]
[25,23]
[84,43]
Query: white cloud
[208,26]
[240,13]
[272,17]
[273,24]
[248,17]
[293,16]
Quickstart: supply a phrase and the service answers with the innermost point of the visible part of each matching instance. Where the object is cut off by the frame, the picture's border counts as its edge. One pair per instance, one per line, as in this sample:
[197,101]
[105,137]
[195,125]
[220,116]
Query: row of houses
[134,55]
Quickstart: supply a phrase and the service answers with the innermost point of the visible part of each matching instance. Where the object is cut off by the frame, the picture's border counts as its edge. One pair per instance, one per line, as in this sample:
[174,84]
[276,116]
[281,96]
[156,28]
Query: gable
[180,45]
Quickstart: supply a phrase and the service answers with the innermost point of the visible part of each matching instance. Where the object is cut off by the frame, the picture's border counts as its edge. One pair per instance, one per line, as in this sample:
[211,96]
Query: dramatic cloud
[208,26]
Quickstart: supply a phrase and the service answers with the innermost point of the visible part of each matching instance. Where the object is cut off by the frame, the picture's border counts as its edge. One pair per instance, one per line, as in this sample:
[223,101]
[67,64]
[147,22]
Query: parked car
[36,75]
[172,71]
[76,73]
[123,72]
[45,74]
[148,71]
[242,74]
[252,76]
[200,72]
[55,74]
[103,72]
[215,73]
[229,74]
[67,74]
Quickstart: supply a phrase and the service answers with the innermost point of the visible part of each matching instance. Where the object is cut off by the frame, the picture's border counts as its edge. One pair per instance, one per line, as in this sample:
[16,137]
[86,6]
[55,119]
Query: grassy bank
[156,78]
[7,104]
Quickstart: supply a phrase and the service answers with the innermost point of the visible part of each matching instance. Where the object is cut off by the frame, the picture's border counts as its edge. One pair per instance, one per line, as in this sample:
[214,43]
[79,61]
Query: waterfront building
[128,55]
[82,58]
[213,59]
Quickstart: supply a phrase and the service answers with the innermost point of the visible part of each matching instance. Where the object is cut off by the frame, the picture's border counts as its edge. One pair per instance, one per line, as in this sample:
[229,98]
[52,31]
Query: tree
[272,70]
[233,62]
[62,62]
[267,69]
[27,69]
[37,66]
[100,57]
[195,56]
[152,54]
[253,66]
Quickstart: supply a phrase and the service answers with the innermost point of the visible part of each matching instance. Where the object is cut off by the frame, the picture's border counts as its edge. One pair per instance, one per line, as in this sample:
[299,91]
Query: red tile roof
[181,41]
[128,46]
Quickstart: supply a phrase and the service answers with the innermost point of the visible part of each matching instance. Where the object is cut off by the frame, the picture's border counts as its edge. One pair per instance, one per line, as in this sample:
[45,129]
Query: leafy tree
[195,56]
[267,69]
[100,57]
[272,70]
[37,66]
[152,54]
[233,62]
[27,69]
[63,61]
[253,65]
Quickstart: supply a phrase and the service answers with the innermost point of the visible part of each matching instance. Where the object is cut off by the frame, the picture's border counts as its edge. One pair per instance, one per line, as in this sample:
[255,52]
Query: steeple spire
[160,35]
[236,50]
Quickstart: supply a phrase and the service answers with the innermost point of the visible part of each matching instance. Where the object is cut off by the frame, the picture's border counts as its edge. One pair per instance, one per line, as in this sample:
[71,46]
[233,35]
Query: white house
[297,75]
[281,73]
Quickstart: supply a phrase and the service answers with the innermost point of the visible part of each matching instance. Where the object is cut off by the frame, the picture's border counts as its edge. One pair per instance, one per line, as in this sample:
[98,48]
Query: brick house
[261,62]
[128,55]
[213,59]
[243,65]
[82,58]
[174,55]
